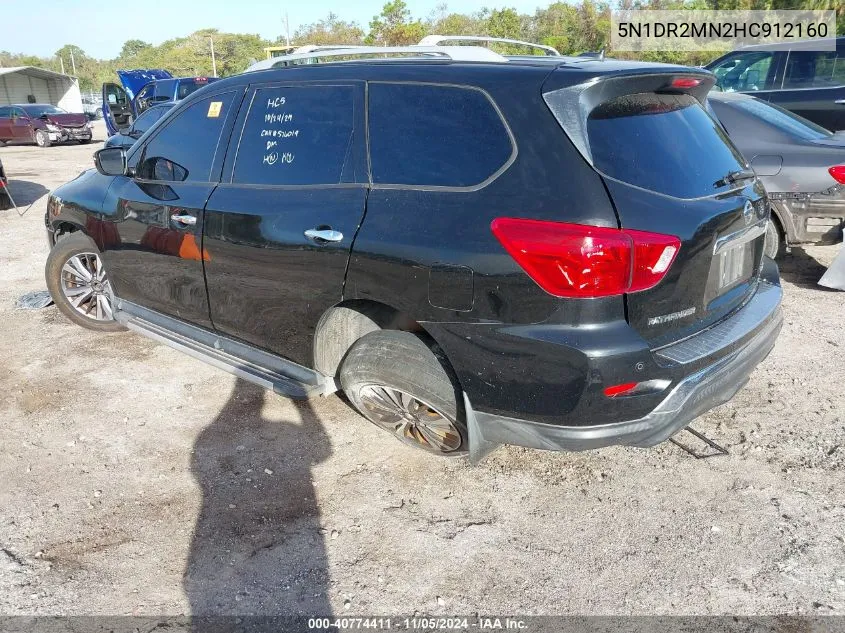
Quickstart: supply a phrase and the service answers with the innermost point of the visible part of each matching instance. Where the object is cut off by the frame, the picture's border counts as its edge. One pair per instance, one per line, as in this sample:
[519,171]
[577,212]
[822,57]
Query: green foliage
[394,26]
[331,30]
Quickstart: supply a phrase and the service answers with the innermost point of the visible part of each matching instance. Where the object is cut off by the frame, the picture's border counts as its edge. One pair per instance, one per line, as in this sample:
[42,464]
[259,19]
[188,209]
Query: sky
[100,29]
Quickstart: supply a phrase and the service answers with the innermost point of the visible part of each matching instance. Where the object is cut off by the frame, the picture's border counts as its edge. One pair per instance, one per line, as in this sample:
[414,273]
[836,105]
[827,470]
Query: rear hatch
[134,80]
[671,169]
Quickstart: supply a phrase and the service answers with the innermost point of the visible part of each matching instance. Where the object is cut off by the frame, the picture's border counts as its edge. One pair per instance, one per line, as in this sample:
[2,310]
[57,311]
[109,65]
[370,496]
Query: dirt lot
[134,479]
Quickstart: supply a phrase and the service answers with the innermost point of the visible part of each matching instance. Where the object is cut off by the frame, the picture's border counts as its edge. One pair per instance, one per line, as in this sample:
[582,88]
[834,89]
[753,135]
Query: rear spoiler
[572,105]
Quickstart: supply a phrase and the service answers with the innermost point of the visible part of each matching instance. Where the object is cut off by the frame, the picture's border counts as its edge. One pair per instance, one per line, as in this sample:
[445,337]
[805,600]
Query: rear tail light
[575,260]
[838,173]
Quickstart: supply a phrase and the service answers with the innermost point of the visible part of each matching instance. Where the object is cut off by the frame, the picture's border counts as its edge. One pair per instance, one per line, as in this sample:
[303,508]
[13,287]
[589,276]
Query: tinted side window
[184,149]
[813,69]
[434,135]
[745,72]
[298,135]
[5,112]
[115,94]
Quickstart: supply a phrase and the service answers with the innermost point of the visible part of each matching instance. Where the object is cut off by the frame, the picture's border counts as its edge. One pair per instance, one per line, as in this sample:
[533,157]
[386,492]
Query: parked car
[5,198]
[92,108]
[139,90]
[42,124]
[475,253]
[143,123]
[802,79]
[801,164]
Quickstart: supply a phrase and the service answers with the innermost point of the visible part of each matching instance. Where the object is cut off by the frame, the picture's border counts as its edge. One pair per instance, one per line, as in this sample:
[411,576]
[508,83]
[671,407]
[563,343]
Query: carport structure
[17,84]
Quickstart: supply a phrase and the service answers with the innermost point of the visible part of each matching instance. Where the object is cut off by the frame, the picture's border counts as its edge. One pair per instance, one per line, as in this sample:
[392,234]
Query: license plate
[734,265]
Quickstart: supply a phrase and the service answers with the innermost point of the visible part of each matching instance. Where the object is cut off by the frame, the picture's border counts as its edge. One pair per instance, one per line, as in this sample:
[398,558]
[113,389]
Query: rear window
[784,120]
[663,143]
[189,86]
[436,136]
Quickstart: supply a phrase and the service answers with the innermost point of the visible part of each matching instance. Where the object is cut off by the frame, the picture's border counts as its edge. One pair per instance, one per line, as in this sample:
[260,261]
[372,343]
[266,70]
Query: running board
[244,361]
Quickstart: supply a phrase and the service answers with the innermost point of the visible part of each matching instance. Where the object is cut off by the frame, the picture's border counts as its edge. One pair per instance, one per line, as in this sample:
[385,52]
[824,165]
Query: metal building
[28,84]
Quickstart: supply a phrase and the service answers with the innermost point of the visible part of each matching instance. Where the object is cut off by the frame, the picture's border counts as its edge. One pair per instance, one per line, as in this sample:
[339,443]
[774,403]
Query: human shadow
[25,192]
[257,547]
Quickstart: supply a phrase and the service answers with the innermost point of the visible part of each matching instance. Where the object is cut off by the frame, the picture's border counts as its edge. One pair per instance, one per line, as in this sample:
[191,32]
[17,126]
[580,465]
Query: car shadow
[25,192]
[258,547]
[802,269]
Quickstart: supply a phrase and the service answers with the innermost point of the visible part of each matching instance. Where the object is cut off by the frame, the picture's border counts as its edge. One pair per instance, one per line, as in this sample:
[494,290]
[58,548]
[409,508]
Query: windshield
[784,120]
[36,111]
[659,142]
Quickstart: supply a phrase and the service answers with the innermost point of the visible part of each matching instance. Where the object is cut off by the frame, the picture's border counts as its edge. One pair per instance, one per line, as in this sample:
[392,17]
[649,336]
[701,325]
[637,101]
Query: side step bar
[245,361]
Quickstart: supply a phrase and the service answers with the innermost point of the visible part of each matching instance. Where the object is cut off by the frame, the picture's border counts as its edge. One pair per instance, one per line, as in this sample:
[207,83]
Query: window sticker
[214,109]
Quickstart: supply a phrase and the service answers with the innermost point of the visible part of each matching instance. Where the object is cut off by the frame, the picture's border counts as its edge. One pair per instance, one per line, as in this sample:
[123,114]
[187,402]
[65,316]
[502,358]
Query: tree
[330,30]
[504,23]
[394,26]
[131,48]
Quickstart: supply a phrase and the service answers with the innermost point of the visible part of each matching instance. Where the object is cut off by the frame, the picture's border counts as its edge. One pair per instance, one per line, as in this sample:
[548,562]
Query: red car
[42,124]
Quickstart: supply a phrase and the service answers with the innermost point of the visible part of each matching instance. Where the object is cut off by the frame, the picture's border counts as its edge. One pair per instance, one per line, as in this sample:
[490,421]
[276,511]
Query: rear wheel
[399,383]
[774,244]
[79,285]
[42,139]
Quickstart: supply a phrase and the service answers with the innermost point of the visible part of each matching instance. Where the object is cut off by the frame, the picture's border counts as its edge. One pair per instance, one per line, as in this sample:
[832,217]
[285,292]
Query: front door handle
[839,102]
[324,235]
[187,220]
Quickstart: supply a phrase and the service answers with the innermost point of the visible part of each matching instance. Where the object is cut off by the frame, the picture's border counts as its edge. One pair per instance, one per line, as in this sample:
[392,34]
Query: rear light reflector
[838,173]
[685,82]
[576,260]
[618,390]
[636,388]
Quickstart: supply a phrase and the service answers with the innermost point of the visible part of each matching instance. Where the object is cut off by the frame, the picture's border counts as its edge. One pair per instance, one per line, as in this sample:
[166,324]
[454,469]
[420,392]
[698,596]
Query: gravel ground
[136,480]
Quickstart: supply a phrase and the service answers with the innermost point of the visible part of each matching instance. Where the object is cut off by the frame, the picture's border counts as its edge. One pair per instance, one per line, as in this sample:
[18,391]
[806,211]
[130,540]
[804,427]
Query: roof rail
[434,40]
[455,53]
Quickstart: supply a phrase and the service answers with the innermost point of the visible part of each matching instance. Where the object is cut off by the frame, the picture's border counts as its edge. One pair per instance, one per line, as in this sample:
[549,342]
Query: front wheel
[42,139]
[400,384]
[79,285]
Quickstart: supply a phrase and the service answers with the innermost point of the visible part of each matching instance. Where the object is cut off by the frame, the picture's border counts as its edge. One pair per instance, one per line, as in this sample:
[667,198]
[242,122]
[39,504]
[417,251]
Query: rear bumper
[748,337]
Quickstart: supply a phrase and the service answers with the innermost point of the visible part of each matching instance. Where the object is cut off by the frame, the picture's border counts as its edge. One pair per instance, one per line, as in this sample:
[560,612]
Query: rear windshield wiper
[735,176]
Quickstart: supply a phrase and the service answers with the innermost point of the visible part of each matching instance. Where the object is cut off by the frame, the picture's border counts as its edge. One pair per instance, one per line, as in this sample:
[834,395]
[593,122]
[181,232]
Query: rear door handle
[187,220]
[325,235]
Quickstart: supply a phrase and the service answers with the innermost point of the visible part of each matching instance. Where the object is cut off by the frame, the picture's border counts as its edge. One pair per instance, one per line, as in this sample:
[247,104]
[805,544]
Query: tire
[71,256]
[84,141]
[401,385]
[98,113]
[42,139]
[774,246]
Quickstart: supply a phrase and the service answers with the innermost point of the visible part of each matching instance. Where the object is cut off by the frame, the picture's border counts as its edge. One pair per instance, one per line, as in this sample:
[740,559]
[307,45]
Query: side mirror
[110,161]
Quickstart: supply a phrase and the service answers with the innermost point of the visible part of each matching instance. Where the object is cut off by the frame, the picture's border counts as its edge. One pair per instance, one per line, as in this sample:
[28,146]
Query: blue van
[140,89]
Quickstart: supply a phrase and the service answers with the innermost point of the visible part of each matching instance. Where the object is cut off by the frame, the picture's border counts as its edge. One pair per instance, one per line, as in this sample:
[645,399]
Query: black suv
[556,253]
[801,79]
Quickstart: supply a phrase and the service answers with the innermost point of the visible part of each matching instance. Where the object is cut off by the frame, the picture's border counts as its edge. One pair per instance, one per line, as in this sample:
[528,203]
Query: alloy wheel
[87,288]
[410,419]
